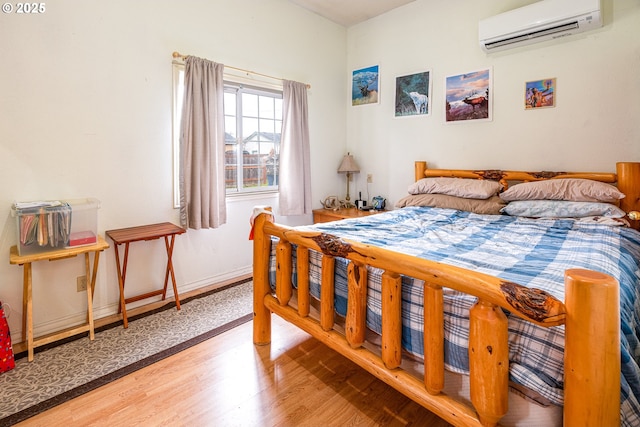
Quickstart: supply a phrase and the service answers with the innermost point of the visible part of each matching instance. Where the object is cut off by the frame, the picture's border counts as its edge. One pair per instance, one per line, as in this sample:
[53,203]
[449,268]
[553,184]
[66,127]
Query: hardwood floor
[227,381]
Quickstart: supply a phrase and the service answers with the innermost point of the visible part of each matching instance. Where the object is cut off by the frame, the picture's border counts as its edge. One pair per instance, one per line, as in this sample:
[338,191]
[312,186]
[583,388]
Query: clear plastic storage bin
[55,224]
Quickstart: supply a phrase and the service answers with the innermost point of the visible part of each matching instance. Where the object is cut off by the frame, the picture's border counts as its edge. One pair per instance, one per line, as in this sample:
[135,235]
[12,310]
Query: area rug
[65,371]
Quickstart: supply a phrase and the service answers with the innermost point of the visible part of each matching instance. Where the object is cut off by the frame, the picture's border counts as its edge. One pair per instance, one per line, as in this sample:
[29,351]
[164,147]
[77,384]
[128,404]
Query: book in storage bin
[44,226]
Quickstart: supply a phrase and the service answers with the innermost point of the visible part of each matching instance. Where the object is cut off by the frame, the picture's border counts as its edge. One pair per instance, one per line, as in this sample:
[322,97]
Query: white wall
[85,111]
[594,124]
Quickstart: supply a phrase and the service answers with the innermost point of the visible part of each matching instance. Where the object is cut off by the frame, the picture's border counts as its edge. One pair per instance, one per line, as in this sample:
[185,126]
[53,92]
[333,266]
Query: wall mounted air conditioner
[537,22]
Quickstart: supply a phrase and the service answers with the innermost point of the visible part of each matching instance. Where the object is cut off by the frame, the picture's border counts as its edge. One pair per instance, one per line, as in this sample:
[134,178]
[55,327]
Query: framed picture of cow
[468,96]
[413,95]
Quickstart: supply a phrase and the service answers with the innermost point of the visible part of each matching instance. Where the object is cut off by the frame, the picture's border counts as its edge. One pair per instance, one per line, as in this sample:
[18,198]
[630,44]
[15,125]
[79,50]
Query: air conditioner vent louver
[537,22]
[534,34]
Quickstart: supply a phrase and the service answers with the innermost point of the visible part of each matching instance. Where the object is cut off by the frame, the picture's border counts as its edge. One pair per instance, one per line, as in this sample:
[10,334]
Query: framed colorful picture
[468,96]
[540,94]
[365,87]
[413,95]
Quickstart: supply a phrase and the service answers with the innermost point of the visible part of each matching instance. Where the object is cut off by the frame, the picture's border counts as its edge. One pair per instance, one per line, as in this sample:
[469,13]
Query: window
[253,127]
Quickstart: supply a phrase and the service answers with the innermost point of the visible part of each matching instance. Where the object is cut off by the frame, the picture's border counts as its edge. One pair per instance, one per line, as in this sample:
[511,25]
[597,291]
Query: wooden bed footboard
[589,313]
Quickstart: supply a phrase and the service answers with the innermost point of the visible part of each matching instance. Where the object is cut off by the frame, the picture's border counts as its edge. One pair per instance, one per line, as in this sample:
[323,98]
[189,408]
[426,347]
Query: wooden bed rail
[590,315]
[531,304]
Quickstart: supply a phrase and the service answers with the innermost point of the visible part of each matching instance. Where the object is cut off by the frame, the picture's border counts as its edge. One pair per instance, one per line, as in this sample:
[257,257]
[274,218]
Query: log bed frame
[592,372]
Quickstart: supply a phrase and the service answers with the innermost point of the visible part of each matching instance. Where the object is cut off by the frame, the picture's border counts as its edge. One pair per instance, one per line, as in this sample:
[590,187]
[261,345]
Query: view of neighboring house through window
[253,126]
[253,123]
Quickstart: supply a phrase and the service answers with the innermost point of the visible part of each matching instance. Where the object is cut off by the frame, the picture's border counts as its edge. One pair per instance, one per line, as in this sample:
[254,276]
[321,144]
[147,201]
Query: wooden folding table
[124,236]
[27,296]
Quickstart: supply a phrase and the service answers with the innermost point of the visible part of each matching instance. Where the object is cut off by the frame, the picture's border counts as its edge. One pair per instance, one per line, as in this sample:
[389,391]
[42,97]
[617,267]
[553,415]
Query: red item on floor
[6,351]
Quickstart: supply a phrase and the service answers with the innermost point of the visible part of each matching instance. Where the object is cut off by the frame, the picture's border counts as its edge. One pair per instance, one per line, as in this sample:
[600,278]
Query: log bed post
[420,167]
[261,251]
[488,361]
[592,349]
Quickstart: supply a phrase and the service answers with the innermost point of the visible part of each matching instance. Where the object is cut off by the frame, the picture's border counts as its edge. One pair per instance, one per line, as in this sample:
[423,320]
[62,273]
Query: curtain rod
[183,57]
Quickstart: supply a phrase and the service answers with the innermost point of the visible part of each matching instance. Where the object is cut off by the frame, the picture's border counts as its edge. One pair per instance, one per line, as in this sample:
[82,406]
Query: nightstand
[327,215]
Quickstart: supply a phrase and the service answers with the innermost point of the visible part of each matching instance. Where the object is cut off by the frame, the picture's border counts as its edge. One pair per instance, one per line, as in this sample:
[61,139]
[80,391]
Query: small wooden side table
[327,215]
[27,295]
[124,236]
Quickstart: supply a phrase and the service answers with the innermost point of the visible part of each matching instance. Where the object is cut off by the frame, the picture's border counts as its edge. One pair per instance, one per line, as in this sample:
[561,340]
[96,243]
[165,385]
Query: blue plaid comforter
[531,252]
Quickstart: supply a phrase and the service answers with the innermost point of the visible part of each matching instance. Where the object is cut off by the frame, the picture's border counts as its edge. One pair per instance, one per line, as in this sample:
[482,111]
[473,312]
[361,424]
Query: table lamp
[348,166]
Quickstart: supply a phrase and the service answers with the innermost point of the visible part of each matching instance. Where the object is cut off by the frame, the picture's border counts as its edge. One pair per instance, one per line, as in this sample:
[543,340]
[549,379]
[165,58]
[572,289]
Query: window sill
[252,196]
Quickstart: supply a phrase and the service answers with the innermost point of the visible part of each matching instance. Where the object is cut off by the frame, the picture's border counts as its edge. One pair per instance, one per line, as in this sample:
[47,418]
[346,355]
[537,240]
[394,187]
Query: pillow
[561,209]
[572,189]
[490,206]
[460,187]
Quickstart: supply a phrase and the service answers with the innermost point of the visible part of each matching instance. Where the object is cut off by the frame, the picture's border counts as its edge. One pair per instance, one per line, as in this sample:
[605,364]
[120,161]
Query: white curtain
[202,186]
[295,175]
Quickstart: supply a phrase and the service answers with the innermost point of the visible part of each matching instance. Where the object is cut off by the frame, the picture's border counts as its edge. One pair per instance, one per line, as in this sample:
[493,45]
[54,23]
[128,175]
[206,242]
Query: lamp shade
[348,164]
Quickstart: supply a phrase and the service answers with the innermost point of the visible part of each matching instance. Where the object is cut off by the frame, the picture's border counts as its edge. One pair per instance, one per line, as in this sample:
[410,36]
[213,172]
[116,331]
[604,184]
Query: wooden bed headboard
[627,178]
